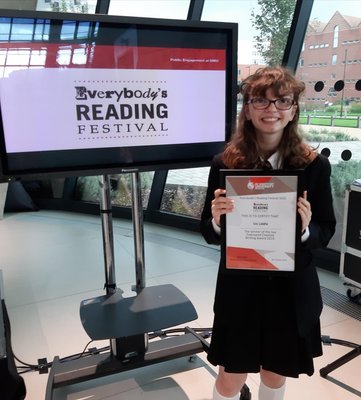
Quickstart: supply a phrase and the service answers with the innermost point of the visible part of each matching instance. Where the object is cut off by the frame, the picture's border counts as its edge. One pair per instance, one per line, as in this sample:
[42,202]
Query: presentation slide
[120,96]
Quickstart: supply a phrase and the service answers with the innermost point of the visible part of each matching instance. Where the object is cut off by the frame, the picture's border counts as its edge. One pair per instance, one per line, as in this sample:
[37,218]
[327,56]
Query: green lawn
[330,121]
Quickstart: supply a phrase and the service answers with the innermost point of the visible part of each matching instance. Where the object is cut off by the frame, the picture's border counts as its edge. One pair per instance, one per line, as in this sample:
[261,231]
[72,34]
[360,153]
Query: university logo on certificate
[262,234]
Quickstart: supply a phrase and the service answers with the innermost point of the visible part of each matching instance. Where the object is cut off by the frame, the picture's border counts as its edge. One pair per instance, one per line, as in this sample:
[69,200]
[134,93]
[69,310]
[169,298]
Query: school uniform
[272,321]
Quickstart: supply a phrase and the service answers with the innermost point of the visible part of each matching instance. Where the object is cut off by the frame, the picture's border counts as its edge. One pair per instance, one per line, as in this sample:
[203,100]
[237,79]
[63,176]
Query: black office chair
[12,386]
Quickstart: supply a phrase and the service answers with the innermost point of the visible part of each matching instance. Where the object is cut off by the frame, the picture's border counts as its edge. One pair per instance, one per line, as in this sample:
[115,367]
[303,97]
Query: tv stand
[126,322]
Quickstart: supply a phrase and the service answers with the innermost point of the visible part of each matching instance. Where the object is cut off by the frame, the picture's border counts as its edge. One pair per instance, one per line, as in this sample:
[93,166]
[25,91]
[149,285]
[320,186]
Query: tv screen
[92,94]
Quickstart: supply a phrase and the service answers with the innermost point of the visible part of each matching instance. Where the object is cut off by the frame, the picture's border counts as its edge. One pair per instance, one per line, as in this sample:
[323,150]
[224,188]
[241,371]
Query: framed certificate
[263,232]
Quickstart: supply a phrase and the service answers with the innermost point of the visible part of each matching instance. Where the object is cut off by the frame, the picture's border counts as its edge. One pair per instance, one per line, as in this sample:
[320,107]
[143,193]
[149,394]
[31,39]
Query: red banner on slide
[123,57]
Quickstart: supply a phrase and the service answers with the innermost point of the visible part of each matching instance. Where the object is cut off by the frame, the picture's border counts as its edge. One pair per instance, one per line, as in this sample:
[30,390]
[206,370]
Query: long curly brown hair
[242,151]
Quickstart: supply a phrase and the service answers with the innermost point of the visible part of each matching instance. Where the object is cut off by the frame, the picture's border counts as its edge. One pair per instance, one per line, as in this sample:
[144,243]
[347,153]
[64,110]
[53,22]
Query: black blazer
[304,286]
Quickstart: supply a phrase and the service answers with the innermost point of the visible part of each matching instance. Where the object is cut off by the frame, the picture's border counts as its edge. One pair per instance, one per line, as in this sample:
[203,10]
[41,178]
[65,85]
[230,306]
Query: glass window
[22,31]
[331,120]
[79,56]
[120,188]
[173,9]
[256,31]
[5,28]
[38,57]
[121,184]
[335,36]
[83,30]
[185,191]
[63,56]
[68,30]
[42,28]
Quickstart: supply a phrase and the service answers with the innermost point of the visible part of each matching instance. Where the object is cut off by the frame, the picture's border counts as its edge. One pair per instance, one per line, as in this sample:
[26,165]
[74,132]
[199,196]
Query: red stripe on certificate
[261,179]
[243,258]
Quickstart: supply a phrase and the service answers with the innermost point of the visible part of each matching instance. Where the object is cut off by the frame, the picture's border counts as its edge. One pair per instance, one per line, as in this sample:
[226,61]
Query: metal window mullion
[195,10]
[297,33]
[102,7]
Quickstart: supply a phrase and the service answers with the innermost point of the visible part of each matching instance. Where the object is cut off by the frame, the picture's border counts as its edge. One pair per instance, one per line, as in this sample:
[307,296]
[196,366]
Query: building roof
[352,21]
[317,26]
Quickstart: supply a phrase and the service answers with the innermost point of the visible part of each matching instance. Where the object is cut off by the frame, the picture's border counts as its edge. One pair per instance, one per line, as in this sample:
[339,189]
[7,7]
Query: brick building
[330,61]
[245,70]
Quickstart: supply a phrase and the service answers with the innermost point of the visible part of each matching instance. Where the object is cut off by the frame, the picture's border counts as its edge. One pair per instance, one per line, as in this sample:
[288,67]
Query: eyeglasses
[260,103]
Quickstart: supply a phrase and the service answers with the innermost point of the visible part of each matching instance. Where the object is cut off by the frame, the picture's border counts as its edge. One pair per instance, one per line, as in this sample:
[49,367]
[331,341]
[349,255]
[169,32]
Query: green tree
[273,24]
[70,6]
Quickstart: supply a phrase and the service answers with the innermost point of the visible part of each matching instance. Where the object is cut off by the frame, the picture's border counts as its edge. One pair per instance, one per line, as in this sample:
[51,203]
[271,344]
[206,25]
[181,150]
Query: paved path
[337,148]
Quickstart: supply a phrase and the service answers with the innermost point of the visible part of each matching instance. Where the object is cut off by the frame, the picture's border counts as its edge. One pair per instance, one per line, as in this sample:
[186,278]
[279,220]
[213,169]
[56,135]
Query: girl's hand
[304,209]
[221,205]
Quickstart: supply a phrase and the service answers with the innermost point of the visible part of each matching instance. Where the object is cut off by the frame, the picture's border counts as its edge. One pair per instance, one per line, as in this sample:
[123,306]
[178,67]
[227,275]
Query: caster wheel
[354,295]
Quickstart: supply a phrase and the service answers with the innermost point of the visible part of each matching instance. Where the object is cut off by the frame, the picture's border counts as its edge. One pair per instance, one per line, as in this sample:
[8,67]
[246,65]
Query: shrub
[120,188]
[355,108]
[343,174]
[332,109]
[309,107]
[325,135]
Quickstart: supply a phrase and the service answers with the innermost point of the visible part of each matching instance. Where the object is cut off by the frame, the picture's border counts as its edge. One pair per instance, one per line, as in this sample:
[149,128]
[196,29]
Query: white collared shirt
[275,160]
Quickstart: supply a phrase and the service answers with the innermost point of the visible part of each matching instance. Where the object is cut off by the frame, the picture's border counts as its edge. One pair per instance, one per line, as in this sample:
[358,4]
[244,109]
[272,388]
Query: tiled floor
[51,261]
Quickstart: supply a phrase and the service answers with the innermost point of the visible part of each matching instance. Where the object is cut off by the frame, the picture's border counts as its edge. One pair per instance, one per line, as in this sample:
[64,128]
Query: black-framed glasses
[261,103]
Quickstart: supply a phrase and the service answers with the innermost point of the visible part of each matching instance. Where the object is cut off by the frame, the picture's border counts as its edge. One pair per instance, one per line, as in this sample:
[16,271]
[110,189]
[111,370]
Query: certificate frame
[262,235]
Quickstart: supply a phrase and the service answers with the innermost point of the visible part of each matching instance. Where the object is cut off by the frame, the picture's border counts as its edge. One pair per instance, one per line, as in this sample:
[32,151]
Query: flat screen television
[94,94]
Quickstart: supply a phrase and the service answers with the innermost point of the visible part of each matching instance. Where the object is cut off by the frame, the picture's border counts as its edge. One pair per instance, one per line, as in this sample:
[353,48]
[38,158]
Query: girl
[269,324]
